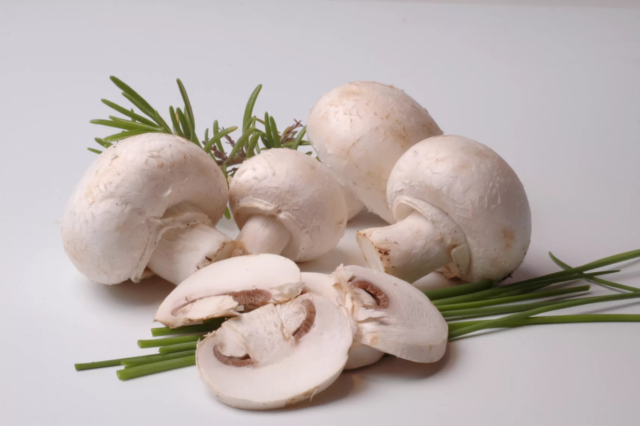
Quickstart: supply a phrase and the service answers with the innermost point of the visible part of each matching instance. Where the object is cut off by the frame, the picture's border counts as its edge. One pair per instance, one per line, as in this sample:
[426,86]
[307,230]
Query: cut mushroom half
[276,356]
[360,355]
[392,315]
[229,287]
[149,202]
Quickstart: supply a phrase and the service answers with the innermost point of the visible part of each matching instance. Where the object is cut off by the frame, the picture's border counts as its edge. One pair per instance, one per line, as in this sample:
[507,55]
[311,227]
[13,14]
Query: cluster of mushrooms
[456,210]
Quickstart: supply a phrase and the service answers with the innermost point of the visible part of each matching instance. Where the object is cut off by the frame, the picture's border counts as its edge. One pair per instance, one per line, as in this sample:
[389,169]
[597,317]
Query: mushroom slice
[324,285]
[276,356]
[234,285]
[392,315]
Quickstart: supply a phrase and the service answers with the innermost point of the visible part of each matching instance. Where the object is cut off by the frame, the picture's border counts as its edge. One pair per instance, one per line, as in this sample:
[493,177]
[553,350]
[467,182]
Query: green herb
[183,124]
[156,367]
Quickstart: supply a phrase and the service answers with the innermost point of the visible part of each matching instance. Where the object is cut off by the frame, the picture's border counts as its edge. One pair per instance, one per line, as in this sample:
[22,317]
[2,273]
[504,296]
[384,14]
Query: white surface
[554,90]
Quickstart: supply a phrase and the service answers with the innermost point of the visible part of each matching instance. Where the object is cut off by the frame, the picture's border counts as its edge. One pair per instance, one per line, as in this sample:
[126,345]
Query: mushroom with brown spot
[459,208]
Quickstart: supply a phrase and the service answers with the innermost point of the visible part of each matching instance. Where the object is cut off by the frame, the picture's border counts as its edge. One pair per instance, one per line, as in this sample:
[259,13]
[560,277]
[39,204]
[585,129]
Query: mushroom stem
[264,234]
[409,249]
[182,251]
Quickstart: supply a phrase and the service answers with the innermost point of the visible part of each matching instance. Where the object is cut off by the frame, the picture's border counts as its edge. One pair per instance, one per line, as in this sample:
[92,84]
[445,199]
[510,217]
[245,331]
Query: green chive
[156,367]
[595,279]
[458,290]
[178,348]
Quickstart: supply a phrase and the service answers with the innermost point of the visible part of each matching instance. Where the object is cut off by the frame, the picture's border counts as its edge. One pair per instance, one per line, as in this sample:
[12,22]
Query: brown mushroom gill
[250,299]
[308,320]
[242,361]
[381,299]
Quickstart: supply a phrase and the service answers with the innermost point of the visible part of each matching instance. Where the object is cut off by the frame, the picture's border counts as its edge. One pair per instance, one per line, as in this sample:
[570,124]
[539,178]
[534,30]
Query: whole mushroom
[149,201]
[459,207]
[286,202]
[360,130]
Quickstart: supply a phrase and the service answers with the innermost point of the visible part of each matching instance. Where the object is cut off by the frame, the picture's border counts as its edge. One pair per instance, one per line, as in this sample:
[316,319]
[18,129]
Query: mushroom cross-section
[360,355]
[229,287]
[276,355]
[360,130]
[148,201]
[459,207]
[392,315]
[287,203]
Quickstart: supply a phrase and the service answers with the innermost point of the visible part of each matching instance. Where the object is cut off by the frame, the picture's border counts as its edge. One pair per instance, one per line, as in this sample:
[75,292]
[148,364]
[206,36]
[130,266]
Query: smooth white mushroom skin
[434,281]
[323,285]
[360,130]
[276,356]
[230,287]
[392,315]
[409,249]
[264,234]
[354,205]
[136,191]
[297,191]
[475,211]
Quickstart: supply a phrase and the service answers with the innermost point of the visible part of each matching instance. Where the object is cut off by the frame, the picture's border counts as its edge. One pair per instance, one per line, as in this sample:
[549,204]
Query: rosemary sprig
[252,140]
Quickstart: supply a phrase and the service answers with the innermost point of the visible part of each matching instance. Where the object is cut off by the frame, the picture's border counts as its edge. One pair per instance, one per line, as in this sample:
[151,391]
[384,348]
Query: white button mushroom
[360,355]
[149,200]
[360,130]
[459,207]
[287,203]
[354,205]
[231,286]
[276,356]
[392,315]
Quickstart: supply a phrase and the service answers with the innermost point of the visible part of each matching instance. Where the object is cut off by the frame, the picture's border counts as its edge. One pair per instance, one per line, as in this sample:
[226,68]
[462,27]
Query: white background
[554,89]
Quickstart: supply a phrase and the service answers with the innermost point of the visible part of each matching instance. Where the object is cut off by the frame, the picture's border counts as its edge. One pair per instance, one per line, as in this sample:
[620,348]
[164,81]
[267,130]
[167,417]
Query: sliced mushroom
[148,202]
[392,315]
[276,356]
[234,285]
[324,285]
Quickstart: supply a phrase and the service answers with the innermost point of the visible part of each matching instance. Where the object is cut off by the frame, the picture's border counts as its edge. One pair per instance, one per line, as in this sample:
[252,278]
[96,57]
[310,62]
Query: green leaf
[216,139]
[175,122]
[241,142]
[595,280]
[135,125]
[123,135]
[275,137]
[253,142]
[102,142]
[128,113]
[142,104]
[227,213]
[298,139]
[186,129]
[94,151]
[188,112]
[248,111]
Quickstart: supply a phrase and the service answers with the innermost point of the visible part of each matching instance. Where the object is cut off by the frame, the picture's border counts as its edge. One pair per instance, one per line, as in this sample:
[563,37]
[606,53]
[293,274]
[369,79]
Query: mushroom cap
[325,285]
[118,211]
[360,130]
[300,192]
[354,205]
[392,315]
[275,364]
[230,286]
[472,196]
